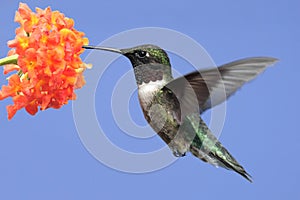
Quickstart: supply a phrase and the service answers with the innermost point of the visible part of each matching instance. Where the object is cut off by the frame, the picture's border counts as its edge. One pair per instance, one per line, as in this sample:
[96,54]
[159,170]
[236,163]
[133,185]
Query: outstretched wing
[201,90]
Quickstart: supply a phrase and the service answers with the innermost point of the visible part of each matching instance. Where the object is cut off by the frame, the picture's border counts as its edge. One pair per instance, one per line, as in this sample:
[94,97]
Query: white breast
[147,90]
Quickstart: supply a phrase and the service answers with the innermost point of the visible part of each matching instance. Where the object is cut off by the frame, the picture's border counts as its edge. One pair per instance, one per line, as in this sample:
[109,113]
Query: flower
[49,68]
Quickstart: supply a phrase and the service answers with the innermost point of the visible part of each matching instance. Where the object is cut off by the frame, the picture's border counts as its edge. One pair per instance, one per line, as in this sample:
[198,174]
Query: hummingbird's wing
[210,87]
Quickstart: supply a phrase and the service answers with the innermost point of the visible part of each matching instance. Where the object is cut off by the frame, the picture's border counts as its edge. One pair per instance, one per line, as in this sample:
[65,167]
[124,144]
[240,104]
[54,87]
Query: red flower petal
[32,108]
[11,111]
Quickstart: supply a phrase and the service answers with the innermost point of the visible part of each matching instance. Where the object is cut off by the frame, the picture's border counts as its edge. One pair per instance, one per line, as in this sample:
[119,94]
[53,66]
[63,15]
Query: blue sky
[42,157]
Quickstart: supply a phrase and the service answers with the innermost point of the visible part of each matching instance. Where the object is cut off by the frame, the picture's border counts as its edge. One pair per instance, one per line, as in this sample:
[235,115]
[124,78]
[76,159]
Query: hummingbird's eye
[141,54]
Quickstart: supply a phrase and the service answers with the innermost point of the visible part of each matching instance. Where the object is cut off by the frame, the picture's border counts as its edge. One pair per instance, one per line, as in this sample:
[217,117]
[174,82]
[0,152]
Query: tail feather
[219,156]
[233,165]
[207,147]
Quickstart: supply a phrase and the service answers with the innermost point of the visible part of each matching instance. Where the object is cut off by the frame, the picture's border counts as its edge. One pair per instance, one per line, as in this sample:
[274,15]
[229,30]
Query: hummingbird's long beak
[103,48]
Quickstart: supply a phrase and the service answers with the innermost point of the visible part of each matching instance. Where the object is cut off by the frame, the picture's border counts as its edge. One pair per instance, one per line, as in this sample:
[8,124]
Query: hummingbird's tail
[221,158]
[207,147]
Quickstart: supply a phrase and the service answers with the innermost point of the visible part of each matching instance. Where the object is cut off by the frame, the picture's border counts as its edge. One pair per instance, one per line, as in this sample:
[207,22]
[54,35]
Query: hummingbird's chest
[159,108]
[147,91]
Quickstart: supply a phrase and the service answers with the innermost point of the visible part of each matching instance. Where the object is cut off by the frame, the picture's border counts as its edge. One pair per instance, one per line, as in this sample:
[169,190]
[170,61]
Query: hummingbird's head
[150,62]
[146,54]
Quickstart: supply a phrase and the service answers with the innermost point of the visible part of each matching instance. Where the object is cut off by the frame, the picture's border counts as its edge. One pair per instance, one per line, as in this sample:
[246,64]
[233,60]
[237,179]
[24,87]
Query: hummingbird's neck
[150,78]
[151,73]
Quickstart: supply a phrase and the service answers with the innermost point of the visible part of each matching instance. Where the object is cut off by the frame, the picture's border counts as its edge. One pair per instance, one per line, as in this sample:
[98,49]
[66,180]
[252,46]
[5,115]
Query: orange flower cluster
[49,67]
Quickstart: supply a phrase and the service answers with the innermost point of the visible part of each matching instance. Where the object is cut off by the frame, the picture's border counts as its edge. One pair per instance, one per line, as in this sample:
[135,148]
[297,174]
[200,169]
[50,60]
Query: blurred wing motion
[211,87]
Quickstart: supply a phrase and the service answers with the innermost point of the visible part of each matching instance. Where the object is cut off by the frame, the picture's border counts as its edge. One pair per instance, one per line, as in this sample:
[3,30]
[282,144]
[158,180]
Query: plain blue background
[42,157]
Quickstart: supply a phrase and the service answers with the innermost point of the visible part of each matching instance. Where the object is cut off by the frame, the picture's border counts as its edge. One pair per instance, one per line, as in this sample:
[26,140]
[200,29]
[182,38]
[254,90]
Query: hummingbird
[173,107]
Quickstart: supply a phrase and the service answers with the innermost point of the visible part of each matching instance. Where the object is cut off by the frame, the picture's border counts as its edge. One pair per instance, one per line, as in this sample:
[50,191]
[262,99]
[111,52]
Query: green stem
[9,60]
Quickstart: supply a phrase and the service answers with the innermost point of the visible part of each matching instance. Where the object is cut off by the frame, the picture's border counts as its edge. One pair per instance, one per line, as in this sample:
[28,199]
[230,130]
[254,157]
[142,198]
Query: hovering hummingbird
[172,107]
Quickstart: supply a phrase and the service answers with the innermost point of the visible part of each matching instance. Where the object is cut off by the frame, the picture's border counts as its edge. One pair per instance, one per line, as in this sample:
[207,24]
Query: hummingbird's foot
[178,149]
[176,153]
